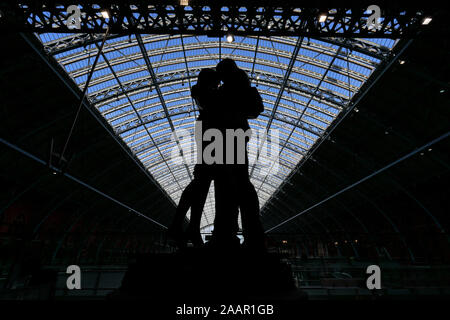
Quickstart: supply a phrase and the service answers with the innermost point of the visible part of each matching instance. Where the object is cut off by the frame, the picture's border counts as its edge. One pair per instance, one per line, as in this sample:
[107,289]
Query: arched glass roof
[141,86]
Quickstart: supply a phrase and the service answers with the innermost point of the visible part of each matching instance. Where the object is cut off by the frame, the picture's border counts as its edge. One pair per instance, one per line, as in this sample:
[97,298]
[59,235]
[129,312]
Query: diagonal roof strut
[161,98]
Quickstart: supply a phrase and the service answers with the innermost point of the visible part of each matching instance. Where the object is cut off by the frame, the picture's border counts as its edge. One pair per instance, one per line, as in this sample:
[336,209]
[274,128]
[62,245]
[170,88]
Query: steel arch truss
[142,89]
[263,18]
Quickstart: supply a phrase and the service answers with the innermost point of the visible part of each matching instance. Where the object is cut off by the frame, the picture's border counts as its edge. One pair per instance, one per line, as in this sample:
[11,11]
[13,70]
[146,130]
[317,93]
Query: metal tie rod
[442,137]
[86,86]
[33,157]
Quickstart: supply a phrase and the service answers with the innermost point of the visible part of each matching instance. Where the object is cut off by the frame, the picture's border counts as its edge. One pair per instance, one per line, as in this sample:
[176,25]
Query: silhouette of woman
[195,194]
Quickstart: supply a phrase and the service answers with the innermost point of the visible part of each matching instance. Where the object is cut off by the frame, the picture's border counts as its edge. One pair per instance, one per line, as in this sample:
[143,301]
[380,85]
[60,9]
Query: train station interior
[88,111]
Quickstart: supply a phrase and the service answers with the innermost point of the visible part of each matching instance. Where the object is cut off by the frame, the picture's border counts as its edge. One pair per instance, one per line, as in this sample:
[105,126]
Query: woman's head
[208,78]
[207,81]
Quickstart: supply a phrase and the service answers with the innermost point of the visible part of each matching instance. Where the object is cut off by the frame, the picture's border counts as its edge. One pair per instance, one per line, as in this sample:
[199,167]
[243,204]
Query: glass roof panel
[299,106]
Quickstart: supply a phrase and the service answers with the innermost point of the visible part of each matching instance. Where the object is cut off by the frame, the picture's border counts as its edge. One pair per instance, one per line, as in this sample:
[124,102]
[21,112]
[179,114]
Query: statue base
[206,275]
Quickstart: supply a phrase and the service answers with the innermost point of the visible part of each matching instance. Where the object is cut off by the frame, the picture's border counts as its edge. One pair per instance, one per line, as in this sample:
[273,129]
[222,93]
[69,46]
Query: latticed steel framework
[261,17]
[141,86]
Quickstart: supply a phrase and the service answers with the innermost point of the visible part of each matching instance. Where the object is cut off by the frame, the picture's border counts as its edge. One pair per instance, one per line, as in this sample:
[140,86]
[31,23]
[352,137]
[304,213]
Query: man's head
[226,68]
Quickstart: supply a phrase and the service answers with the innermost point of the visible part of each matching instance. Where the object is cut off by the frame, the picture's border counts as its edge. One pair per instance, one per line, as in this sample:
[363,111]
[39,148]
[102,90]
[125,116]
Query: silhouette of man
[233,188]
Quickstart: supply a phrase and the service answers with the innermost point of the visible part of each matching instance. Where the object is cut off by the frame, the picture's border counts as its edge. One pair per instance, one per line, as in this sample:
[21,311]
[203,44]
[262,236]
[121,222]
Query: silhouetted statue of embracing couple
[226,101]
